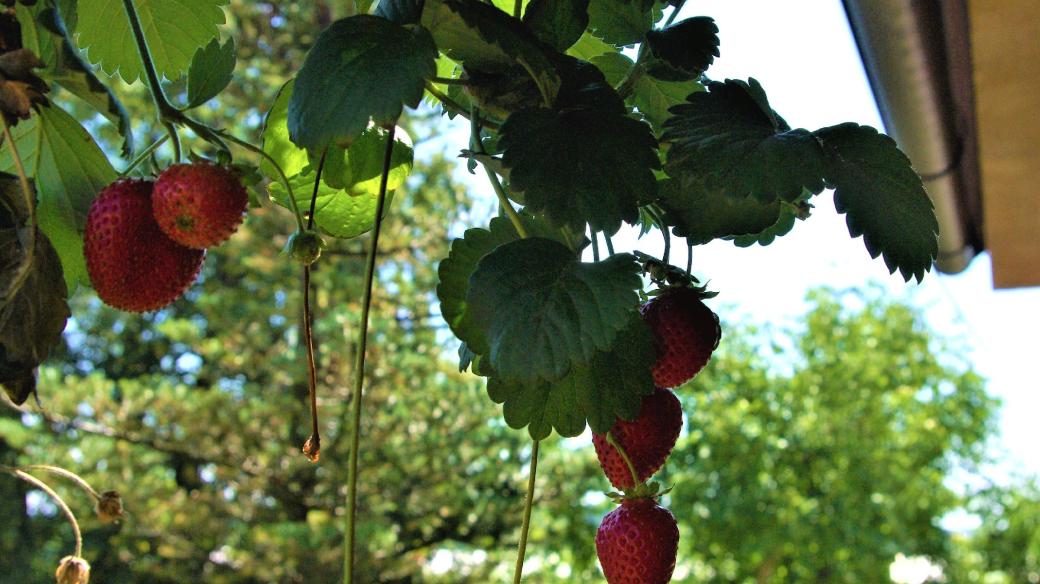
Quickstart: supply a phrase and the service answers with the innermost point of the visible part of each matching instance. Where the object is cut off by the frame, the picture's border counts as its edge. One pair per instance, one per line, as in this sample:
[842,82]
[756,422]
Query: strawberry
[647,440]
[199,205]
[685,331]
[637,543]
[131,263]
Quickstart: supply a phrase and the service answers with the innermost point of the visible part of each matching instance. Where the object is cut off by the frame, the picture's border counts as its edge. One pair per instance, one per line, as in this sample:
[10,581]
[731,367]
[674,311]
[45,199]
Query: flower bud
[109,507]
[305,246]
[73,570]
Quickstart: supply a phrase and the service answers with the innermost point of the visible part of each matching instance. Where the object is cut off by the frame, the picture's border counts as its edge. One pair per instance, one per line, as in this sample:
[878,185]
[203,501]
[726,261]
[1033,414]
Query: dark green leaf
[730,140]
[655,97]
[173,31]
[70,170]
[360,68]
[883,198]
[610,386]
[614,66]
[558,23]
[400,11]
[210,71]
[701,215]
[684,50]
[33,315]
[534,310]
[580,166]
[622,22]
[790,212]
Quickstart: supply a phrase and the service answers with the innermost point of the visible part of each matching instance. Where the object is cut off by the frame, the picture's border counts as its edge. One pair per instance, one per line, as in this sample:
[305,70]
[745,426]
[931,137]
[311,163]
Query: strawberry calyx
[645,490]
[667,277]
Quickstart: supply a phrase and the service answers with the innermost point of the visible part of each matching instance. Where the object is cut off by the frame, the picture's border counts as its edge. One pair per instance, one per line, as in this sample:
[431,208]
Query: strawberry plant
[576,139]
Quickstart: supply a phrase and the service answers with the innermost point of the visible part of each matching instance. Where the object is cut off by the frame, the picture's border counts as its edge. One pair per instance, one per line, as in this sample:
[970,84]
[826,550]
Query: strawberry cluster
[145,241]
[638,541]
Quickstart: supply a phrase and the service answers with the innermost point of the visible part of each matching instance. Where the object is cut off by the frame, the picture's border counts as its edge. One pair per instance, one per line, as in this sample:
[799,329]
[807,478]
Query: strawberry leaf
[558,23]
[655,97]
[790,212]
[622,22]
[378,67]
[338,212]
[210,71]
[684,50]
[69,170]
[882,197]
[104,31]
[701,215]
[731,141]
[609,386]
[581,165]
[534,310]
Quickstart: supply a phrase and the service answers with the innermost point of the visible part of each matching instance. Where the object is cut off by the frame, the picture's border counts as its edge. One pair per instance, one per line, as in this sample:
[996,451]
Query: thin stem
[664,233]
[456,107]
[624,456]
[689,259]
[517,7]
[525,526]
[30,208]
[144,155]
[171,131]
[57,500]
[317,183]
[595,245]
[450,81]
[277,167]
[312,447]
[503,200]
[359,365]
[546,98]
[609,242]
[66,474]
[162,105]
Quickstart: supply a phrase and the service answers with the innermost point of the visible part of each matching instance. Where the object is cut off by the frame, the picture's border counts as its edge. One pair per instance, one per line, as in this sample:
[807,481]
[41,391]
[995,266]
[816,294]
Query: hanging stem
[277,167]
[517,4]
[689,260]
[595,244]
[312,447]
[144,155]
[610,244]
[503,200]
[162,106]
[57,500]
[359,365]
[75,478]
[525,526]
[624,456]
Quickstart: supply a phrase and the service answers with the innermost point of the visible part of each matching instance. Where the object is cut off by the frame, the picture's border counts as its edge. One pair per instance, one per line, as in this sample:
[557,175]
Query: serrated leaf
[581,165]
[339,213]
[701,215]
[45,33]
[104,32]
[534,310]
[614,66]
[69,170]
[730,140]
[610,386]
[33,315]
[360,68]
[684,50]
[790,213]
[589,46]
[622,22]
[275,138]
[882,197]
[655,97]
[210,71]
[558,23]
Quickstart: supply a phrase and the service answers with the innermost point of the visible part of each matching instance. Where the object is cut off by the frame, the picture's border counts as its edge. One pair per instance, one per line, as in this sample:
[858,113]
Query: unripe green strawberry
[637,543]
[199,205]
[647,440]
[686,332]
[132,264]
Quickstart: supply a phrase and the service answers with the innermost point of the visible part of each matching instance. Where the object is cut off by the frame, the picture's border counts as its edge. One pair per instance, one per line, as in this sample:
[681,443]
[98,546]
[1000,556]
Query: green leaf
[790,212]
[684,50]
[614,66]
[730,140]
[486,39]
[174,30]
[622,22]
[580,165]
[33,315]
[360,167]
[610,386]
[400,11]
[558,23]
[701,215]
[589,46]
[210,71]
[275,138]
[883,198]
[360,68]
[69,170]
[46,35]
[455,270]
[654,97]
[338,212]
[534,310]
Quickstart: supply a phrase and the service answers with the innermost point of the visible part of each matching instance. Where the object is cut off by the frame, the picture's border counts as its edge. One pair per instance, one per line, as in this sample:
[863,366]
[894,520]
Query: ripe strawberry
[199,205]
[648,439]
[131,263]
[685,334]
[637,543]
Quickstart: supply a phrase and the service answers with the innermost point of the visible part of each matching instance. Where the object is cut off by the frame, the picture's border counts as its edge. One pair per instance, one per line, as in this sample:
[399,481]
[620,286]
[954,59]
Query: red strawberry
[199,205]
[637,543]
[132,264]
[647,440]
[685,334]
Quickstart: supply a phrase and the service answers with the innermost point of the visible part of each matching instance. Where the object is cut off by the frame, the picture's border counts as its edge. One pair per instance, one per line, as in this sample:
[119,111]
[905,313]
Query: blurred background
[850,428]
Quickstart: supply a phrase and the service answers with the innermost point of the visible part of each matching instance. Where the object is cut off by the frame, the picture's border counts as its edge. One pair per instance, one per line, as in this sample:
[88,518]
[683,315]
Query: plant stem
[503,200]
[456,107]
[162,106]
[312,447]
[317,183]
[610,244]
[595,245]
[689,260]
[517,5]
[277,167]
[450,81]
[624,456]
[144,155]
[57,500]
[66,474]
[525,526]
[359,365]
